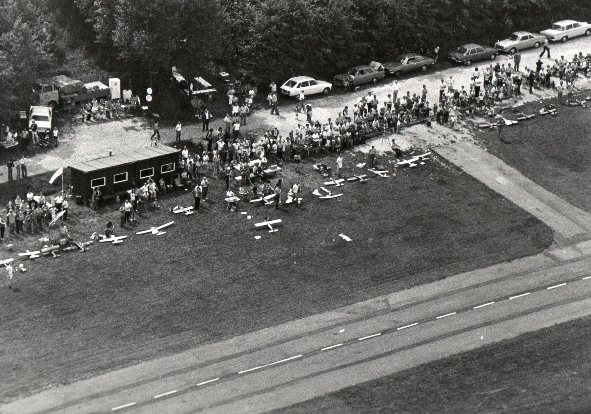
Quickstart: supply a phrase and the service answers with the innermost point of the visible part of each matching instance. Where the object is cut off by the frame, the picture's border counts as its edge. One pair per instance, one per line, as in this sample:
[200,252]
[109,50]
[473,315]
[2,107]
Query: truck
[62,91]
[42,115]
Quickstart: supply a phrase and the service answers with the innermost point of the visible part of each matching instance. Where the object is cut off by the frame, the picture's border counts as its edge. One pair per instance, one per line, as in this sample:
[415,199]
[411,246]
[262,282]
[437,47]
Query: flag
[56,175]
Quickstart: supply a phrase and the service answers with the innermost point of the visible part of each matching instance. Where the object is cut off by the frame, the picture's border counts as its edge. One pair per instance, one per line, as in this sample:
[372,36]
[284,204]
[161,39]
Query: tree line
[260,39]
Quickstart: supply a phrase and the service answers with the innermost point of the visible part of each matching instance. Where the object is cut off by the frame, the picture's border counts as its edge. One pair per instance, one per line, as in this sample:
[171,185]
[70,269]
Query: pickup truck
[61,91]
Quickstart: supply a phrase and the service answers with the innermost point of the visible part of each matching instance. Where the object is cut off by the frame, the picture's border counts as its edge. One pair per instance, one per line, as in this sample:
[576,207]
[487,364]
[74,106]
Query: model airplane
[411,162]
[31,255]
[360,178]
[338,183]
[508,122]
[57,217]
[49,250]
[112,239]
[266,199]
[156,230]
[232,199]
[345,237]
[487,125]
[545,111]
[524,117]
[380,173]
[268,223]
[328,194]
[6,262]
[186,210]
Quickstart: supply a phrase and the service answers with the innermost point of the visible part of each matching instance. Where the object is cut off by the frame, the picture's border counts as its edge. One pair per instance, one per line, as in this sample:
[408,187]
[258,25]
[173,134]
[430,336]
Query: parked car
[361,74]
[409,62]
[309,85]
[566,29]
[472,52]
[42,115]
[520,41]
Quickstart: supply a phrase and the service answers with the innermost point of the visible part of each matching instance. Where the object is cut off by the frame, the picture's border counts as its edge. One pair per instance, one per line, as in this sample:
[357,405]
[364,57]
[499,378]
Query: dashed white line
[483,305]
[121,407]
[250,369]
[363,338]
[271,364]
[446,315]
[586,278]
[164,394]
[407,326]
[208,381]
[556,286]
[519,296]
[331,347]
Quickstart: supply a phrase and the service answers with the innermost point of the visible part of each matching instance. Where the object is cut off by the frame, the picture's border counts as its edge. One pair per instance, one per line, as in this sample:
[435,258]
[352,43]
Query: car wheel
[493,57]
[514,50]
[537,45]
[588,32]
[564,39]
[374,80]
[326,91]
[424,68]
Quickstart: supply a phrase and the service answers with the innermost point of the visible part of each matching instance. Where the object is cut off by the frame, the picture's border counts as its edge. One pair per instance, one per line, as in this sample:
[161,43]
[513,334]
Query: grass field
[208,279]
[547,371]
[555,152]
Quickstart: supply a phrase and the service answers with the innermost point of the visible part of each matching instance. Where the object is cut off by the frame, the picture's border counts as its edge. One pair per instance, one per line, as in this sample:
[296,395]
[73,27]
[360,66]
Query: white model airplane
[345,237]
[31,255]
[269,224]
[112,239]
[380,173]
[156,230]
[487,125]
[272,169]
[524,117]
[338,183]
[232,199]
[57,217]
[411,162]
[328,194]
[360,178]
[45,250]
[266,199]
[545,111]
[6,262]
[508,122]
[186,210]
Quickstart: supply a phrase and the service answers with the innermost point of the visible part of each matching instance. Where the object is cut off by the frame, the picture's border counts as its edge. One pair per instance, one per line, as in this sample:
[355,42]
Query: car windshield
[557,27]
[514,37]
[462,50]
[41,118]
[352,72]
[290,83]
[404,61]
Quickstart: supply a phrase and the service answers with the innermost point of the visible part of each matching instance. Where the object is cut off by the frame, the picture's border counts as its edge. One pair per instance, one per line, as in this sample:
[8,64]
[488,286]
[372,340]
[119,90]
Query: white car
[42,115]
[309,85]
[567,29]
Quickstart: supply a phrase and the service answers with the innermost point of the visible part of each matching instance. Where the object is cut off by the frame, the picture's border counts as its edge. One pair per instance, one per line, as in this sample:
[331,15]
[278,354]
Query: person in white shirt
[395,90]
[178,128]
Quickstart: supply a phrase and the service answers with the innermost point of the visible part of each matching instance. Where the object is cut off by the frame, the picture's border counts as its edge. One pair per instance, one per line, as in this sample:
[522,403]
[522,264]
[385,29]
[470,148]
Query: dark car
[409,62]
[360,75]
[472,53]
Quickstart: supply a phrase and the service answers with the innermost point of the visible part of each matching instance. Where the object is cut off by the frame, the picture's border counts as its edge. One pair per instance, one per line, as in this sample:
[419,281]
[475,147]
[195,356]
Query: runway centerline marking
[519,296]
[164,394]
[483,305]
[208,381]
[363,338]
[121,407]
[556,286]
[331,347]
[446,315]
[407,326]
[586,278]
[271,364]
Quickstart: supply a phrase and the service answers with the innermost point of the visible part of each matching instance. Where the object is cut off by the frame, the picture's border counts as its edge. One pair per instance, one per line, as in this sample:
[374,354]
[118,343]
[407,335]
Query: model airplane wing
[57,217]
[29,253]
[6,261]
[156,230]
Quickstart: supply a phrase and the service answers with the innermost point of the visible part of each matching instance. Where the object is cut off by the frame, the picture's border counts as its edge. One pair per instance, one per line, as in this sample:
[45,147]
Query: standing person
[197,192]
[34,134]
[122,216]
[243,113]
[23,167]
[128,207]
[9,274]
[10,166]
[395,90]
[155,134]
[339,165]
[277,194]
[204,185]
[65,206]
[178,129]
[372,156]
[309,113]
[436,50]
[17,165]
[546,49]
[424,93]
[530,78]
[273,87]
[274,109]
[2,228]
[206,116]
[300,105]
[517,60]
[55,135]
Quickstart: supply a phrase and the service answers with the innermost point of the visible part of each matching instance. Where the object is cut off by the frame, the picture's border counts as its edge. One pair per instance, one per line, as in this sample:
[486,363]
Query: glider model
[156,230]
[269,224]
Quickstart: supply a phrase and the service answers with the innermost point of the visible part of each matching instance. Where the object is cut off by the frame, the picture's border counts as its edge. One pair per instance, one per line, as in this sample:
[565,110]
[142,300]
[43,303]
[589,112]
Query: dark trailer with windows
[117,173]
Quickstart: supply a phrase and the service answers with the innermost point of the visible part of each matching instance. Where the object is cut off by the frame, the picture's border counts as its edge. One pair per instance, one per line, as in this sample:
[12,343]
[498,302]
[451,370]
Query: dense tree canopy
[264,39]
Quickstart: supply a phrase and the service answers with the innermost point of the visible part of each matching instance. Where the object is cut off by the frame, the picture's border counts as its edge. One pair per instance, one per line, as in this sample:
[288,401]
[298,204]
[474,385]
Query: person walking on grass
[197,193]
[339,165]
[274,109]
[546,49]
[9,275]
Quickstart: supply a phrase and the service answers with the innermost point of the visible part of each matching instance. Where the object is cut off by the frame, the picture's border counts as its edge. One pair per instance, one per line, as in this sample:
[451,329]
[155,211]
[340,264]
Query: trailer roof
[127,157]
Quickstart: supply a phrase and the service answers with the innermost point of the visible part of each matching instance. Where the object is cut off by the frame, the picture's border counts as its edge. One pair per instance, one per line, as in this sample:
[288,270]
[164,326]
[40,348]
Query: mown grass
[547,371]
[208,279]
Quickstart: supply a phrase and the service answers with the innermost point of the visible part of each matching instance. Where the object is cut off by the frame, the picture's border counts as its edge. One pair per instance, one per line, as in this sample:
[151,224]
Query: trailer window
[98,182]
[120,178]
[166,168]
[147,172]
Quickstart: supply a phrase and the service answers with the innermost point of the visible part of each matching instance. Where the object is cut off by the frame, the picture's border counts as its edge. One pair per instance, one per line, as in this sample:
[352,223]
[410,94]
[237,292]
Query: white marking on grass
[363,338]
[121,407]
[208,382]
[407,326]
[483,305]
[164,394]
[587,278]
[556,286]
[271,364]
[331,347]
[446,315]
[519,296]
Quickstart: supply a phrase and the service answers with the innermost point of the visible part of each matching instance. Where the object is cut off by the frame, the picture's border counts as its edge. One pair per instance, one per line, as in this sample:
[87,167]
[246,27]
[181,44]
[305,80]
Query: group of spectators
[31,214]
